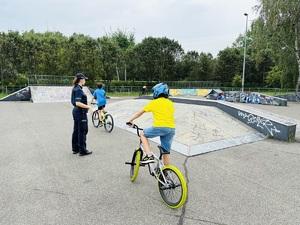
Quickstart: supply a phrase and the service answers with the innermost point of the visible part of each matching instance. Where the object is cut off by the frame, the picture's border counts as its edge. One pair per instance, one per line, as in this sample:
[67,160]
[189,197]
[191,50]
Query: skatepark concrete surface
[42,182]
[199,129]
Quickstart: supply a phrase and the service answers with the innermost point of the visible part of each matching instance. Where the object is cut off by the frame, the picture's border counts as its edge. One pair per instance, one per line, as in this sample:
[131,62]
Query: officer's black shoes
[86,153]
[75,152]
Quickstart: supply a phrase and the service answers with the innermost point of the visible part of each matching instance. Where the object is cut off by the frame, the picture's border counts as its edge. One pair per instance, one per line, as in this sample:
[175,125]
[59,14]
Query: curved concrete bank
[269,125]
[199,129]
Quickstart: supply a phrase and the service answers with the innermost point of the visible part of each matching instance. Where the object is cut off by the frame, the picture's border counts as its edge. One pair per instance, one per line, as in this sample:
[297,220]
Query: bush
[21,79]
[237,81]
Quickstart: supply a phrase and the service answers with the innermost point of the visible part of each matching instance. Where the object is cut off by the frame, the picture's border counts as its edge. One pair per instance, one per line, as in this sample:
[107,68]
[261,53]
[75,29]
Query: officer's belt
[82,109]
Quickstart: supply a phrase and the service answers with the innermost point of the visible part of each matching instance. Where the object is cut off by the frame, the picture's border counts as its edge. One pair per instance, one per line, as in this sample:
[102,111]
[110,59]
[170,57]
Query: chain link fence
[58,80]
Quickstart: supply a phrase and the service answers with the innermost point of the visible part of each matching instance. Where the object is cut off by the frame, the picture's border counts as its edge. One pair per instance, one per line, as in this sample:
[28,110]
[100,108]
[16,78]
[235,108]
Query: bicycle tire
[135,164]
[109,123]
[175,193]
[95,119]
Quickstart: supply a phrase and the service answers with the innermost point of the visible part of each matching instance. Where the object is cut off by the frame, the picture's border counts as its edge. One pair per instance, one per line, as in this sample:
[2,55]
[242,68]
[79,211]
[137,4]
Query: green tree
[53,45]
[278,29]
[135,67]
[31,49]
[206,67]
[228,64]
[255,70]
[148,52]
[237,81]
[190,66]
[170,51]
[109,52]
[125,40]
[275,77]
[9,56]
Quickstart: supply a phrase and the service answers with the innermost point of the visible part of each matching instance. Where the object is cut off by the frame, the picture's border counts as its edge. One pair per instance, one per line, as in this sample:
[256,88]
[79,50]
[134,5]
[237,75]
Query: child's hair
[99,85]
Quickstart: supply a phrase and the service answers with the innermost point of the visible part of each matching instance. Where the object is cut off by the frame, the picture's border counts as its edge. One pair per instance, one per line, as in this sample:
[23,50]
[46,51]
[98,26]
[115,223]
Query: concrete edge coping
[277,118]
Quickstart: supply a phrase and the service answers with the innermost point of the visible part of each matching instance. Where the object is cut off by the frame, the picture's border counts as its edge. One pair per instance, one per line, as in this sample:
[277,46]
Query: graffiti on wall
[254,98]
[232,96]
[291,97]
[193,92]
[21,95]
[260,122]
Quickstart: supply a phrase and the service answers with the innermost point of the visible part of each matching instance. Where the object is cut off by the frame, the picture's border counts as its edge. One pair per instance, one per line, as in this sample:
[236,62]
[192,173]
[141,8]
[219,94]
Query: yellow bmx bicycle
[170,181]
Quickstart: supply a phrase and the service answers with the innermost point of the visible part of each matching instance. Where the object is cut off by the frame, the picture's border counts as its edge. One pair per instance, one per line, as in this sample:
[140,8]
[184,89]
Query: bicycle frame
[153,170]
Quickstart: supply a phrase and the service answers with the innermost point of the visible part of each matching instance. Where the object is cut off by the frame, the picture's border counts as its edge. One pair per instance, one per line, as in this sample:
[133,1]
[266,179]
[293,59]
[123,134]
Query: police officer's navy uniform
[80,129]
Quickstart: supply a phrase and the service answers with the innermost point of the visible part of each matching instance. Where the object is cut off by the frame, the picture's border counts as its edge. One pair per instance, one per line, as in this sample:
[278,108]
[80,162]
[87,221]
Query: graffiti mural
[260,122]
[21,95]
[254,98]
[291,97]
[235,96]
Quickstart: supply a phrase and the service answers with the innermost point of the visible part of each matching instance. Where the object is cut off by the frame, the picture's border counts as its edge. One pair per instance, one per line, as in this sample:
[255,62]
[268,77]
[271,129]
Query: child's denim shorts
[166,136]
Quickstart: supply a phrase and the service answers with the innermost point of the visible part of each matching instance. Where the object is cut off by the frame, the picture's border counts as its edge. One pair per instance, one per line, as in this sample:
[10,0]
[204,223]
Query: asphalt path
[42,182]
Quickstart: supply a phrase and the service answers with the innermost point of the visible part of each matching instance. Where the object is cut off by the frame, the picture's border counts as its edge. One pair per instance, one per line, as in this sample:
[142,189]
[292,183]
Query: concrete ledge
[54,94]
[269,125]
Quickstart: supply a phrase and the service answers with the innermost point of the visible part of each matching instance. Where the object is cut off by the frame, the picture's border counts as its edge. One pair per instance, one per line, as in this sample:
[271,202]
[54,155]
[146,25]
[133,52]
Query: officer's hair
[75,82]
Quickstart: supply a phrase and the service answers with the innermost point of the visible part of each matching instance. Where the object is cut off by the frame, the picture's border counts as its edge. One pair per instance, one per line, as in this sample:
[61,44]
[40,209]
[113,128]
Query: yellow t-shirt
[163,112]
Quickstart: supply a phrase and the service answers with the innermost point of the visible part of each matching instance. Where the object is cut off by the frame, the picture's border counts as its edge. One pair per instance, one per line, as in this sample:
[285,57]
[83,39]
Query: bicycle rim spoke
[95,119]
[109,123]
[172,191]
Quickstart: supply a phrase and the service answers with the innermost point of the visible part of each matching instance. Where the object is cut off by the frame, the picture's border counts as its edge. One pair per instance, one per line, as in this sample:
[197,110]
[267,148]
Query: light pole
[245,48]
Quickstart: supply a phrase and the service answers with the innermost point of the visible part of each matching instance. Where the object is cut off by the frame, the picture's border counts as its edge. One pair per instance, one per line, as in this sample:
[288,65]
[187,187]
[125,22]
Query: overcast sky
[200,25]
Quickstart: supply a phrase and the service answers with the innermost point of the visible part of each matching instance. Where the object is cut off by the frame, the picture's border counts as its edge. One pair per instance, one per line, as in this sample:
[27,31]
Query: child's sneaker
[147,159]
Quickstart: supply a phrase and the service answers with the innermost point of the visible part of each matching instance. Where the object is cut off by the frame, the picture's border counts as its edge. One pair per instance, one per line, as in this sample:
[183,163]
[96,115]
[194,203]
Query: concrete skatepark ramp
[20,95]
[54,94]
[199,129]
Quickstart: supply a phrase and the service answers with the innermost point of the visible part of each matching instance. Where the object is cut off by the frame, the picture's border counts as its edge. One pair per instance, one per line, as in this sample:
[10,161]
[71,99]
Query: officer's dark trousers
[80,130]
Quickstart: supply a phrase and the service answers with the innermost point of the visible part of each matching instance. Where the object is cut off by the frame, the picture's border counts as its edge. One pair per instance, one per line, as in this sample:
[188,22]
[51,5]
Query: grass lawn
[2,95]
[272,93]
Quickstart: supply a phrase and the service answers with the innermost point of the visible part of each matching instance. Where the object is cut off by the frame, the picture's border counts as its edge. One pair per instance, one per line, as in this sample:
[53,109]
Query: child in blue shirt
[100,95]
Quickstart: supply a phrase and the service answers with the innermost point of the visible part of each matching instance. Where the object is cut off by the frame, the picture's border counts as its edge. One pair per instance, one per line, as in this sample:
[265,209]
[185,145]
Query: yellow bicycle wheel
[172,188]
[135,164]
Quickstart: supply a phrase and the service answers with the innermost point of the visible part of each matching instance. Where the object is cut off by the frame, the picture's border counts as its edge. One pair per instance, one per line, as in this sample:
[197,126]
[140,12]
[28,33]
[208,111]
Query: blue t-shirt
[100,95]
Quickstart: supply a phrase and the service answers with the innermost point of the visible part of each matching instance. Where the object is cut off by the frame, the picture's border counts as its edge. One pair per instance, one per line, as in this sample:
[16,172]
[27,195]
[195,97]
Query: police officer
[80,130]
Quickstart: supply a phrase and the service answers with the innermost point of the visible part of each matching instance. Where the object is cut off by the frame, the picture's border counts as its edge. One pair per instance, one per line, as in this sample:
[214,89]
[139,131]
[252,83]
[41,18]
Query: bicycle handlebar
[135,127]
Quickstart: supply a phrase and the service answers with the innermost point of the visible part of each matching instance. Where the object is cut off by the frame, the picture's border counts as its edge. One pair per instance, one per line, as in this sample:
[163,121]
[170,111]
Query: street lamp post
[245,48]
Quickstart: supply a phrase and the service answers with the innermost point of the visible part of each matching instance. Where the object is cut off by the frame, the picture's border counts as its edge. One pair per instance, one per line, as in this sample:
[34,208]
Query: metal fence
[49,80]
[10,89]
[130,89]
[58,80]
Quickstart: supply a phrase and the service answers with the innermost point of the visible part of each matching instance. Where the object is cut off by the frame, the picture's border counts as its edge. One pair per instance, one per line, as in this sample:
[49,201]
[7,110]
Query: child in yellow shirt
[163,126]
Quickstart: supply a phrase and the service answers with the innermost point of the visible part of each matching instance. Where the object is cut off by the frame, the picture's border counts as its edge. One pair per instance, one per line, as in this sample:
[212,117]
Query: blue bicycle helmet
[159,90]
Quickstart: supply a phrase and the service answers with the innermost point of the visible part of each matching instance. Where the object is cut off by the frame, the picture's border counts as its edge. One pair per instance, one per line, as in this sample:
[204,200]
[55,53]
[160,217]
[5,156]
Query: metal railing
[129,89]
[10,89]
